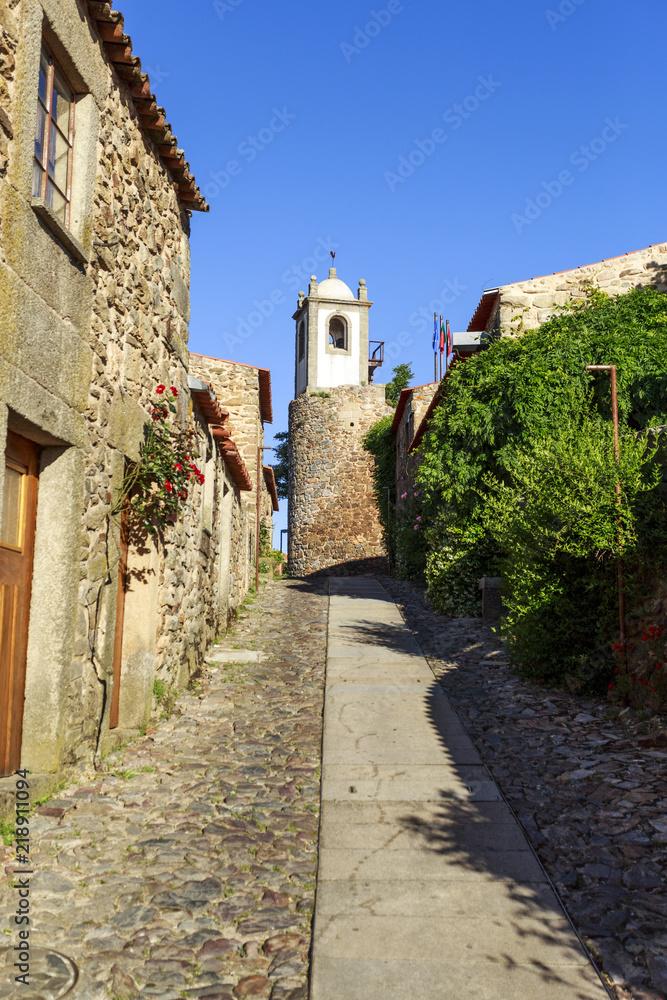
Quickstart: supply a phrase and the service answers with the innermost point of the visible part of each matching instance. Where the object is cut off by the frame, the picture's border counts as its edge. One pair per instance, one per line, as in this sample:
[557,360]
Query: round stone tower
[332,516]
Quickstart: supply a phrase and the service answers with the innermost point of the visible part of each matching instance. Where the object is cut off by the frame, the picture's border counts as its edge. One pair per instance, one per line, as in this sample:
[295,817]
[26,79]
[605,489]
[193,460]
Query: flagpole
[440,334]
[435,353]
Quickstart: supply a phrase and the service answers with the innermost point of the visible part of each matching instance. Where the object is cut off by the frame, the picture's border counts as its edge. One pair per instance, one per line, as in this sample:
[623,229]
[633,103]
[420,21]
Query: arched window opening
[338,333]
[302,341]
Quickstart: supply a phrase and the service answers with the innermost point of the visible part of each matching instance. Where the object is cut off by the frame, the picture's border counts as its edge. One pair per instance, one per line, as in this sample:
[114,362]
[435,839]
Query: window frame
[331,347]
[51,128]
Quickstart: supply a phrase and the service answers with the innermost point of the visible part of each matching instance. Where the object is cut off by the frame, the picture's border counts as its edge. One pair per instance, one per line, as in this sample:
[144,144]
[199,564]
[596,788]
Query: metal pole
[388,489]
[260,457]
[435,352]
[439,351]
[619,565]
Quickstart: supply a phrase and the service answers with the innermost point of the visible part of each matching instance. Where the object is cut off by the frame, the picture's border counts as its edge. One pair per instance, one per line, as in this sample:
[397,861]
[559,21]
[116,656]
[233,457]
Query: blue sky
[297,116]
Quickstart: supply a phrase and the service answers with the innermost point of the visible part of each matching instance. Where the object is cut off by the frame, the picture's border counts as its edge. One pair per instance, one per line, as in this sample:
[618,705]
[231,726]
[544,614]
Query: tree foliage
[402,377]
[518,472]
[281,463]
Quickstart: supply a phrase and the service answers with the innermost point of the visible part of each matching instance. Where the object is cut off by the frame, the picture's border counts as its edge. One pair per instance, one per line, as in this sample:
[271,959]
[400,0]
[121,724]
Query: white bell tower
[332,336]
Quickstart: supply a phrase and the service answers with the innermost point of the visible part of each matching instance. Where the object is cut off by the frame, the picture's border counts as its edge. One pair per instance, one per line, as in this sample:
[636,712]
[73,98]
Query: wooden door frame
[21,452]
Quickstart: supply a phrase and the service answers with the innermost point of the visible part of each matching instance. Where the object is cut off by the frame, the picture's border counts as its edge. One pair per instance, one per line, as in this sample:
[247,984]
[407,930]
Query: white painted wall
[302,366]
[337,369]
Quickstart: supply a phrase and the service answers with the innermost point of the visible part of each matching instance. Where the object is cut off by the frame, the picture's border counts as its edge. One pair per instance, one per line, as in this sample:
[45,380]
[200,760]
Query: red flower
[616,670]
[610,687]
[174,392]
[645,637]
[160,389]
[168,487]
[183,496]
[644,682]
[178,467]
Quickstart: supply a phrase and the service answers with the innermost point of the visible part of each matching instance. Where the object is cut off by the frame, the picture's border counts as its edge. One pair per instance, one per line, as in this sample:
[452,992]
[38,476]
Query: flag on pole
[450,346]
[442,335]
[435,333]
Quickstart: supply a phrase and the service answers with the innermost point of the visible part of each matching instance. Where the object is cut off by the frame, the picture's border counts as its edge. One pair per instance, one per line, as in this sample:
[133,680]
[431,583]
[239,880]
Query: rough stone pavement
[589,787]
[427,886]
[187,869]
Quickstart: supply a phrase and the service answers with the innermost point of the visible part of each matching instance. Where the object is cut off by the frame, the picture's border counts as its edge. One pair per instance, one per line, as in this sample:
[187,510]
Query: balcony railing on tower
[375,357]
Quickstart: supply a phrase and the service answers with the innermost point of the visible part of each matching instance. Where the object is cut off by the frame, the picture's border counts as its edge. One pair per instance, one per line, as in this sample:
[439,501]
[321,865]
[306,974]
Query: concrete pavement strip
[426,885]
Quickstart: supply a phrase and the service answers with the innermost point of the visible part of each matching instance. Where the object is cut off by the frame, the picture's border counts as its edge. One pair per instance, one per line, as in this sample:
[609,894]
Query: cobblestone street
[188,869]
[589,788]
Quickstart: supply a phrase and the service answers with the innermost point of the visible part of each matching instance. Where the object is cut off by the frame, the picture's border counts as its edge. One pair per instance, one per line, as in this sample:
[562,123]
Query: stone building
[333,523]
[509,310]
[410,410]
[524,305]
[246,392]
[95,205]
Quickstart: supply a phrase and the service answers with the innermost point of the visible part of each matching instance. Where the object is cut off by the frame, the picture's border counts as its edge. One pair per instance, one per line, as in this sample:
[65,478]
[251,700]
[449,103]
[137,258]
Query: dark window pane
[58,158]
[37,174]
[61,103]
[56,200]
[43,76]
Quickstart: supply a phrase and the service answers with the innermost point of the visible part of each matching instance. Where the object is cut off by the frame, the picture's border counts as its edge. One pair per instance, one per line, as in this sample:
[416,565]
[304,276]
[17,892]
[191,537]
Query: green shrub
[519,479]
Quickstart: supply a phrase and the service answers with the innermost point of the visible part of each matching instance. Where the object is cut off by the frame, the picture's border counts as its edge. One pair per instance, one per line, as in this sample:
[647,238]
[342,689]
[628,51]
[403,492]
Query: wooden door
[121,590]
[17,542]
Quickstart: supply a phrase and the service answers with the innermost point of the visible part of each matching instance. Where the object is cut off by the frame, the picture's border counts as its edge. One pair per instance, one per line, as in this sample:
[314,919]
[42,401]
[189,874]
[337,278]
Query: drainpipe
[619,567]
[260,460]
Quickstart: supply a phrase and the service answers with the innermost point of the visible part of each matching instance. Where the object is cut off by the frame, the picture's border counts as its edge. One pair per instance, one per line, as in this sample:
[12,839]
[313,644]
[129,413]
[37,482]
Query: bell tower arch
[331,335]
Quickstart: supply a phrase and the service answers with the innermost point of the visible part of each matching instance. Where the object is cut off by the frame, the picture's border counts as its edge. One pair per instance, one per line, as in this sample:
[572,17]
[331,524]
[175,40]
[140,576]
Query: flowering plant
[156,488]
[640,675]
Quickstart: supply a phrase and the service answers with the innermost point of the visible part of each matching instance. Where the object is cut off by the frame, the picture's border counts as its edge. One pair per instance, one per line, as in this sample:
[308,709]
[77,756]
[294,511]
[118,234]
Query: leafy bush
[519,477]
[560,528]
[380,442]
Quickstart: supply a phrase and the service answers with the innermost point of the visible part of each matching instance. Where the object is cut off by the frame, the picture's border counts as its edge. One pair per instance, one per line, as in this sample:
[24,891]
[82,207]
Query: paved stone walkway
[188,868]
[427,887]
[588,785]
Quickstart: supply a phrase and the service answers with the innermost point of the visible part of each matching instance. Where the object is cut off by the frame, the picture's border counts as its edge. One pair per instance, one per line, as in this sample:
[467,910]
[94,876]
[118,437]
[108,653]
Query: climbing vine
[156,488]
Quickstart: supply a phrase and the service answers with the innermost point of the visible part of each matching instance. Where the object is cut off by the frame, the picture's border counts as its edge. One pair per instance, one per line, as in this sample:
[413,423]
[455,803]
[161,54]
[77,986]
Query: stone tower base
[334,528]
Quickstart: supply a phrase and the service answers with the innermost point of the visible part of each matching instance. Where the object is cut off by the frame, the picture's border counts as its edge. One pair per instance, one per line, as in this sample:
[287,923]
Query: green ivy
[519,478]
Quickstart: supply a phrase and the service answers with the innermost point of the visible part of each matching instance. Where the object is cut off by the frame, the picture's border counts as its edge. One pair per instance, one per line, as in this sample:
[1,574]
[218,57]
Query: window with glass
[54,135]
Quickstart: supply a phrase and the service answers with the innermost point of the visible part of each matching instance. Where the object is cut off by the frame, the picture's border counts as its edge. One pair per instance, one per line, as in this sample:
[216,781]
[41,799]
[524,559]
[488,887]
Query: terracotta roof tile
[270,480]
[118,48]
[264,376]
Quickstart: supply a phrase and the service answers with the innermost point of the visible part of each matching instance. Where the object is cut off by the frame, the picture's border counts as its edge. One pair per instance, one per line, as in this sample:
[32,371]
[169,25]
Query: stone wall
[333,523]
[525,305]
[413,414]
[237,388]
[86,334]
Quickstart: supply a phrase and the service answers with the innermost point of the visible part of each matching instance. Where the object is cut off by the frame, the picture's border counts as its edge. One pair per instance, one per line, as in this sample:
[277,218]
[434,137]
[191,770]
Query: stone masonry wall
[525,305]
[333,523]
[237,389]
[407,464]
[84,341]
